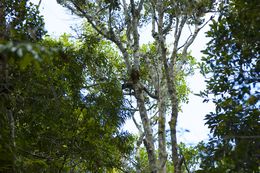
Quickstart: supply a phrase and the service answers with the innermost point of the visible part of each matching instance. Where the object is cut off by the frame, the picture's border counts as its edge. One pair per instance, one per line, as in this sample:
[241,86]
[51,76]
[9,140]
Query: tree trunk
[162,92]
[177,161]
[148,141]
[173,124]
[162,138]
[171,88]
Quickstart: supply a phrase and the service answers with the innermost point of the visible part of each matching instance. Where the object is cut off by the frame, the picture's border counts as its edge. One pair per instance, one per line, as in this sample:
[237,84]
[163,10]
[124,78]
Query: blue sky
[58,20]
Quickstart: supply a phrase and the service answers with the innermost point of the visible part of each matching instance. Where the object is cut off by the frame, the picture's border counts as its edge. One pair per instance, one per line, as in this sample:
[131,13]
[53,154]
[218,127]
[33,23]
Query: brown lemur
[134,78]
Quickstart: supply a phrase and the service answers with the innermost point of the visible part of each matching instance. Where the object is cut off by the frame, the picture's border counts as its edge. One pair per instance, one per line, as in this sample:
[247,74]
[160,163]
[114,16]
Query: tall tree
[57,113]
[57,127]
[20,20]
[232,66]
[152,77]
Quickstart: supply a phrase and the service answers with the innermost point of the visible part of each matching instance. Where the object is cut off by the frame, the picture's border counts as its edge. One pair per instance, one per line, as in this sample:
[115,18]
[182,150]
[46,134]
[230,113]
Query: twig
[40,1]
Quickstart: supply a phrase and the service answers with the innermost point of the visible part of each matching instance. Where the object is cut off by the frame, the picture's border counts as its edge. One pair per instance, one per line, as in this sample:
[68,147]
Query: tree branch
[110,35]
[183,160]
[189,41]
[39,4]
[177,34]
[154,96]
[138,126]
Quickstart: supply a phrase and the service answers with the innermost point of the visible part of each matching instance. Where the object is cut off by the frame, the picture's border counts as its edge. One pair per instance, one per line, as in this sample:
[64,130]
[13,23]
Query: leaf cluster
[66,104]
[232,68]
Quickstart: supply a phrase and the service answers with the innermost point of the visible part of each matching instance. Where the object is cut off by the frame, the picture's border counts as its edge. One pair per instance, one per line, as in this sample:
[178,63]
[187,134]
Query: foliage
[61,106]
[232,68]
[191,157]
[56,123]
[189,153]
[21,20]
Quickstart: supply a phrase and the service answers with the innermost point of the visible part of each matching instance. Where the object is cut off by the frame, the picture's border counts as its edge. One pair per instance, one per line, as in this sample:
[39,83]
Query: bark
[173,125]
[162,138]
[139,89]
[162,90]
[138,145]
[168,73]
[149,140]
[170,77]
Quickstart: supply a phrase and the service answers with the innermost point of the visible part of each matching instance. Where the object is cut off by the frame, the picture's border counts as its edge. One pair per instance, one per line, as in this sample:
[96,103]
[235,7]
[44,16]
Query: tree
[57,128]
[19,20]
[57,113]
[232,67]
[120,22]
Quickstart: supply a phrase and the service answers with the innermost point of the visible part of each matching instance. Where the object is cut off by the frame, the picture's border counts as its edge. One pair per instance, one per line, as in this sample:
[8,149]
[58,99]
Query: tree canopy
[63,101]
[58,113]
[232,69]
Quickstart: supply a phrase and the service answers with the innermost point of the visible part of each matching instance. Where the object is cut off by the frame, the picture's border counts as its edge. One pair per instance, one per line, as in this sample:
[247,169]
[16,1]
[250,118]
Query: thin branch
[176,27]
[177,35]
[184,43]
[154,119]
[190,41]
[140,139]
[133,108]
[154,96]
[124,5]
[138,126]
[183,160]
[150,108]
[92,85]
[105,33]
[128,24]
[90,20]
[180,28]
[190,29]
[39,4]
[211,17]
[154,20]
